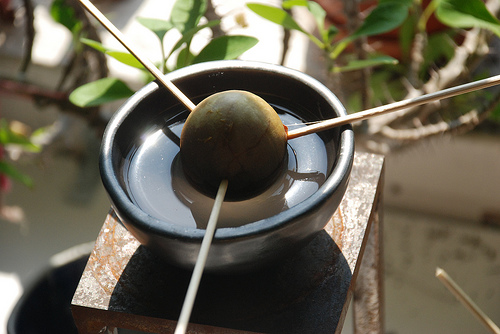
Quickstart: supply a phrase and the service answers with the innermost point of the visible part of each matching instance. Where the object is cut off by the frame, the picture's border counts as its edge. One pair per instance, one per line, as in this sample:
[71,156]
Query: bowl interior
[153,107]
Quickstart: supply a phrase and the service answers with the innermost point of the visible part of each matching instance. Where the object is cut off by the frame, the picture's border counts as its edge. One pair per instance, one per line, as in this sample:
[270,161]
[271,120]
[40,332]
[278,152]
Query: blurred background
[442,184]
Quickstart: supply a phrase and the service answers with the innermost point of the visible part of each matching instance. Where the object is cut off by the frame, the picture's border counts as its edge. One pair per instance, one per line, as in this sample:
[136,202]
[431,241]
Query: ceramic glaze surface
[139,157]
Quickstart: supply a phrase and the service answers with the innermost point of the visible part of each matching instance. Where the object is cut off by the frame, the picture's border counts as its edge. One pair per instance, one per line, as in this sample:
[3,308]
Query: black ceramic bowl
[254,244]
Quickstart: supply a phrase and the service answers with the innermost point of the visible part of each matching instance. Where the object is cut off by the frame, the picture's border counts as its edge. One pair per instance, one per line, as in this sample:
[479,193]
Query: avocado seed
[233,135]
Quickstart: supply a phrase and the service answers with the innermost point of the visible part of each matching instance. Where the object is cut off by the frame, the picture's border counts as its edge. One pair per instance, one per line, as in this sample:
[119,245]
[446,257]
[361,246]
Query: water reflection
[158,186]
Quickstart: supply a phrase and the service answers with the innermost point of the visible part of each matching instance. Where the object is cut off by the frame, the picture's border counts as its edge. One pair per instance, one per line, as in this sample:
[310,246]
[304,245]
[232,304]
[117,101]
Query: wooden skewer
[187,306]
[143,60]
[377,111]
[466,301]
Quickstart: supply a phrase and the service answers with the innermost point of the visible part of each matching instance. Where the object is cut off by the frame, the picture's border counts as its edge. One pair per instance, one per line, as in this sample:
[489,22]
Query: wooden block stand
[126,286]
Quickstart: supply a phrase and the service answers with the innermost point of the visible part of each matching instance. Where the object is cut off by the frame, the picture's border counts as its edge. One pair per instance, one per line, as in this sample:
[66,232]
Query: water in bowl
[157,185]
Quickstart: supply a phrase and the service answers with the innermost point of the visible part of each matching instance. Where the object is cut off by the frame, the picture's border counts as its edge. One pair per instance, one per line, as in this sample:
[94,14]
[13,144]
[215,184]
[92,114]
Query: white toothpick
[143,60]
[187,306]
[377,111]
[466,301]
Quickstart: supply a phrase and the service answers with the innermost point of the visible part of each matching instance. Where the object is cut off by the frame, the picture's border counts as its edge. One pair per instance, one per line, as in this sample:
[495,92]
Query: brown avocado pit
[234,135]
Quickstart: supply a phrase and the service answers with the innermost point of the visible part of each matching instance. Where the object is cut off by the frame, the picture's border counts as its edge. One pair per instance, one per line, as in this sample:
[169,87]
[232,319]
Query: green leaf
[315,9]
[331,32]
[407,34]
[99,92]
[288,4]
[94,44]
[186,14]
[9,137]
[11,172]
[360,64]
[188,35]
[225,47]
[319,14]
[157,26]
[64,14]
[467,14]
[125,58]
[184,58]
[439,46]
[275,15]
[385,17]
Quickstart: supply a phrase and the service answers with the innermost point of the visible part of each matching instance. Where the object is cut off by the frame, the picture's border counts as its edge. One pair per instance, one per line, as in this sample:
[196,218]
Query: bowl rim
[143,221]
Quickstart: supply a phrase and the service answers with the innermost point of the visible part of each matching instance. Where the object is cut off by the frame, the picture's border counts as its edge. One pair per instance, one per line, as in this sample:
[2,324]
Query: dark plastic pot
[251,245]
[45,307]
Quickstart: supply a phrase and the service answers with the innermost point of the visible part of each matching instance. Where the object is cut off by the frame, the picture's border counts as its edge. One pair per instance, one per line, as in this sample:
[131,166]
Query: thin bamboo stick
[187,306]
[396,106]
[143,60]
[466,301]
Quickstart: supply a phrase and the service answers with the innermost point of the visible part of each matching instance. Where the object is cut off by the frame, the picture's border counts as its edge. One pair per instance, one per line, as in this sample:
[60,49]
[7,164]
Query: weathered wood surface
[369,290]
[126,286]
